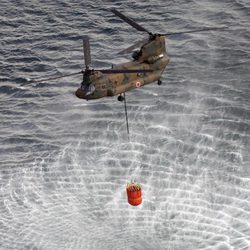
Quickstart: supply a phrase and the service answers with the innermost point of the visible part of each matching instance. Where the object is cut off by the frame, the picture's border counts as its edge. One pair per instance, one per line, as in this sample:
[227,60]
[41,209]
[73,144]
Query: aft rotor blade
[30,81]
[120,71]
[86,50]
[132,47]
[129,20]
[194,31]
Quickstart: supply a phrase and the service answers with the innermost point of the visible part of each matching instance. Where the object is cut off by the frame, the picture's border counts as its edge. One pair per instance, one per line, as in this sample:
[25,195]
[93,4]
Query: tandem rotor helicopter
[147,66]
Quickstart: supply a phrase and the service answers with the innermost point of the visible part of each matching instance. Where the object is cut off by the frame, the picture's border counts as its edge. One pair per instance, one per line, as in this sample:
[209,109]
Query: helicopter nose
[80,93]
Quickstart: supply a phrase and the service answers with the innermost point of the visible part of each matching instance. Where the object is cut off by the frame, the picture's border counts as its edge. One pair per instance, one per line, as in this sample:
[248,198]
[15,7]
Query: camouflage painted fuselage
[152,55]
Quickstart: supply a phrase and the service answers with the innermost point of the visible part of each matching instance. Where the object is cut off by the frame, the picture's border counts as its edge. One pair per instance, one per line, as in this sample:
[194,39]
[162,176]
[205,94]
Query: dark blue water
[65,162]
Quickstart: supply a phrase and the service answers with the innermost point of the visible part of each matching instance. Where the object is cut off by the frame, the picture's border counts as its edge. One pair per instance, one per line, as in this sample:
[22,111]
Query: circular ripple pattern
[65,162]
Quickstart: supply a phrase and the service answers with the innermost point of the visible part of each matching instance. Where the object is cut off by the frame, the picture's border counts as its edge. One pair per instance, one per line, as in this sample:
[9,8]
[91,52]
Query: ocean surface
[65,162]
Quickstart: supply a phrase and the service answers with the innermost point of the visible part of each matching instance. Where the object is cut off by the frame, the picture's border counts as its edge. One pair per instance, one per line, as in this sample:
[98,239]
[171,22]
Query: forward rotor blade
[120,71]
[86,50]
[194,31]
[132,47]
[50,78]
[129,20]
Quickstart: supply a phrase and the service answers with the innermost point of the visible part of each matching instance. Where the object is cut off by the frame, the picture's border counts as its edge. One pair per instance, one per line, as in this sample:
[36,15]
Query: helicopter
[147,65]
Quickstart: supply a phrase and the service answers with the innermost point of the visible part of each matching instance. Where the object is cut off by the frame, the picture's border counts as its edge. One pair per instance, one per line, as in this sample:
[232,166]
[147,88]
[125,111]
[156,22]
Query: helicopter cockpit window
[136,54]
[90,89]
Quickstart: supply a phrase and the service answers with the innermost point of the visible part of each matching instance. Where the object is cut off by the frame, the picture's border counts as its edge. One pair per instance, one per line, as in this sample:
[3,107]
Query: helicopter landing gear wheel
[120,98]
[159,82]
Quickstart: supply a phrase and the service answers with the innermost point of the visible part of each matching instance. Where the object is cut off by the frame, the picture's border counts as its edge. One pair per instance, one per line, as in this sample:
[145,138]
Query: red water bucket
[134,194]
